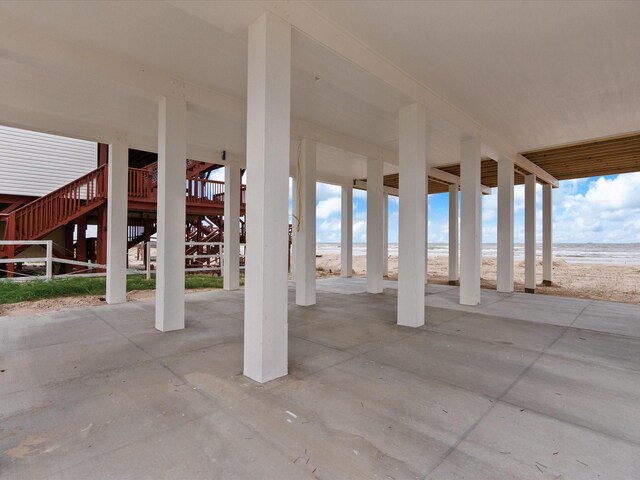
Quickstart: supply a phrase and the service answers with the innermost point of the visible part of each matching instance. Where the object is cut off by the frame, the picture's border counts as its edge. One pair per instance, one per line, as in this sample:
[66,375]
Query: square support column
[470,222]
[413,215]
[454,274]
[385,232]
[375,193]
[117,198]
[547,234]
[268,148]
[346,237]
[232,197]
[505,226]
[306,237]
[172,155]
[530,233]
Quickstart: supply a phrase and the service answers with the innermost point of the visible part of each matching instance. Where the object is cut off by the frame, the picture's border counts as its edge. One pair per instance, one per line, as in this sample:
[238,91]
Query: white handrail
[48,259]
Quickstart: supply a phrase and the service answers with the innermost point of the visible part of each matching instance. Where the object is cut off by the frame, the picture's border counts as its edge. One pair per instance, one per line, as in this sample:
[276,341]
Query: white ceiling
[536,73]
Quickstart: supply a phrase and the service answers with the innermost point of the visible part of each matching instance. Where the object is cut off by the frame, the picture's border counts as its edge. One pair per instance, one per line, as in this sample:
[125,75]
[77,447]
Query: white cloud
[609,211]
[360,231]
[325,191]
[329,231]
[326,208]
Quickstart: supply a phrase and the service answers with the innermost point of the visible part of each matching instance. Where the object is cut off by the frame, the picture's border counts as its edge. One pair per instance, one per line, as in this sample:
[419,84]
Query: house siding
[35,164]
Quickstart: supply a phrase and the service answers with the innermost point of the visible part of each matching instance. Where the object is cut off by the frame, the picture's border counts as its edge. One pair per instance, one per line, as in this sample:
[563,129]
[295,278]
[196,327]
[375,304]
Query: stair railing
[49,212]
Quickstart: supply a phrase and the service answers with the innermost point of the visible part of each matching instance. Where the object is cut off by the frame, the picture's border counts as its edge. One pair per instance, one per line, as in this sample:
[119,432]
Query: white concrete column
[375,191]
[268,137]
[385,233]
[172,157]
[346,237]
[505,226]
[547,234]
[117,198]
[454,274]
[306,246]
[413,215]
[232,194]
[470,222]
[530,233]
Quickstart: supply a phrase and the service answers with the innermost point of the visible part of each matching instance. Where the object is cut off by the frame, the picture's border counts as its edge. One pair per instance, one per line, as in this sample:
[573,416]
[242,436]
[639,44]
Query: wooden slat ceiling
[488,173]
[591,159]
[434,186]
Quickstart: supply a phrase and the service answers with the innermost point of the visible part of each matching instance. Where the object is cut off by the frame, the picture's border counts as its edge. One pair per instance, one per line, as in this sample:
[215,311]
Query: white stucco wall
[33,163]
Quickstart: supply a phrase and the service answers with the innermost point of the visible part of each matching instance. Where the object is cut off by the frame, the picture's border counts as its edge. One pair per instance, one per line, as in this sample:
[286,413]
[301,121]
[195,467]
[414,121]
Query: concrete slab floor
[522,386]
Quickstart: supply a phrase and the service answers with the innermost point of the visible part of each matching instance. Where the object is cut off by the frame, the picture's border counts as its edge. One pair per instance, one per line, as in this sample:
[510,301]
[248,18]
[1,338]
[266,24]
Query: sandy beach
[617,283]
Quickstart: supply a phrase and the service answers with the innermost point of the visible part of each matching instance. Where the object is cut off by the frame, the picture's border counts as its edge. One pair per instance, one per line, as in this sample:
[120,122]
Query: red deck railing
[57,208]
[199,191]
[142,183]
[44,215]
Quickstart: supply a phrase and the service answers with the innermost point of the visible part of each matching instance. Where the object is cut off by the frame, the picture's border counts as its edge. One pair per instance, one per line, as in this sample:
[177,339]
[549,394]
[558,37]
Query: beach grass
[13,292]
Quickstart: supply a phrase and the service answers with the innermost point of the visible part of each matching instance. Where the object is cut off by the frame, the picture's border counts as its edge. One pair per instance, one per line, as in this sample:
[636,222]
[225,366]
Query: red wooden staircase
[42,216]
[60,208]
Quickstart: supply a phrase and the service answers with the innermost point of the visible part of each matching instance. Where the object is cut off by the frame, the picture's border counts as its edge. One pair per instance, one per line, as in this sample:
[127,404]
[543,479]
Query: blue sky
[596,210]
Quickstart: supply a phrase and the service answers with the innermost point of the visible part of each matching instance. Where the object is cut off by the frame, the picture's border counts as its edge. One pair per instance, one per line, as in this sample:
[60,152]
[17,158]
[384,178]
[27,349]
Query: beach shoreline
[596,281]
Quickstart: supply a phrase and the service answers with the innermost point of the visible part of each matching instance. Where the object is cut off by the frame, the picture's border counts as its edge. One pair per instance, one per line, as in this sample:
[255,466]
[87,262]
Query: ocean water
[611,253]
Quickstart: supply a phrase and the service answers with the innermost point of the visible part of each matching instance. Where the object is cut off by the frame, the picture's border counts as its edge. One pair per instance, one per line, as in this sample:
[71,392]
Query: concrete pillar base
[454,283]
[529,290]
[547,283]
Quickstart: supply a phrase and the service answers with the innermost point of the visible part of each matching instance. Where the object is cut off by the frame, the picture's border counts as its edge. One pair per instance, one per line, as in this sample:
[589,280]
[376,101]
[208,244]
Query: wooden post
[101,240]
[101,246]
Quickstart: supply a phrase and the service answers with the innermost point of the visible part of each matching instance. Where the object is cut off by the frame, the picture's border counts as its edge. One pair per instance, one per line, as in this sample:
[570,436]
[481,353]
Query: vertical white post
[375,190]
[268,137]
[453,234]
[117,198]
[231,250]
[505,225]
[306,247]
[530,233]
[346,237]
[470,222]
[547,234]
[49,260]
[172,154]
[413,215]
[385,232]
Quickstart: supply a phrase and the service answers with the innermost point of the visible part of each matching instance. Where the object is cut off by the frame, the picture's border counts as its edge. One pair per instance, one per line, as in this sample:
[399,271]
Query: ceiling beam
[541,174]
[302,129]
[44,122]
[450,179]
[362,185]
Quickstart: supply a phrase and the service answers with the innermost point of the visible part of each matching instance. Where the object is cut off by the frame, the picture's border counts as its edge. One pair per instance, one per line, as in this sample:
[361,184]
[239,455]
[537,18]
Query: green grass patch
[13,292]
